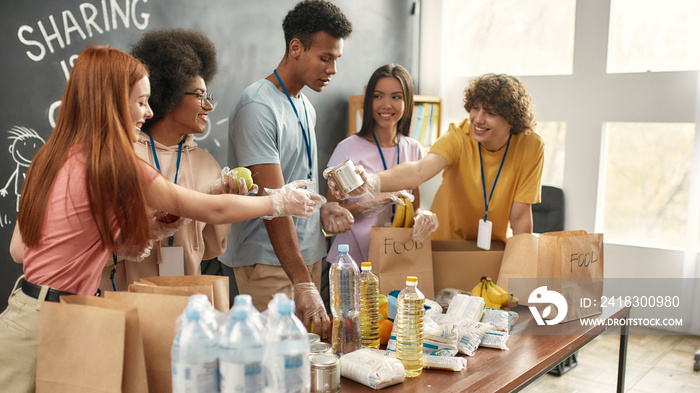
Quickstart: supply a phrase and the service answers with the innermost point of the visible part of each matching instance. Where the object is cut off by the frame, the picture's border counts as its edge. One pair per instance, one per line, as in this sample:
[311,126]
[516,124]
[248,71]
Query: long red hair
[94,116]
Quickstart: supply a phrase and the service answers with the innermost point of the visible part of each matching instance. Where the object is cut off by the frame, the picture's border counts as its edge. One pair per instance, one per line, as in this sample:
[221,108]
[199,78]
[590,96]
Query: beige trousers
[261,282]
[19,331]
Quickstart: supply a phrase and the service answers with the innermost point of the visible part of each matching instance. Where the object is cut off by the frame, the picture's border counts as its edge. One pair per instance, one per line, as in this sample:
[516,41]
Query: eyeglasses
[203,97]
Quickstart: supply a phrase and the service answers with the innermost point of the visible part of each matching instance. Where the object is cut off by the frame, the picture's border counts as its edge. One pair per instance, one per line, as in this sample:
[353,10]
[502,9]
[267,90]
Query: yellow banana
[498,289]
[408,217]
[512,300]
[399,216]
[494,296]
[476,291]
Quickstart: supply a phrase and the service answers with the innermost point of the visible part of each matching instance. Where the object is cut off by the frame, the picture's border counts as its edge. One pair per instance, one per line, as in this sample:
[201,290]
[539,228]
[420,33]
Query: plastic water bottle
[194,356]
[286,358]
[345,303]
[369,307]
[245,300]
[409,328]
[241,353]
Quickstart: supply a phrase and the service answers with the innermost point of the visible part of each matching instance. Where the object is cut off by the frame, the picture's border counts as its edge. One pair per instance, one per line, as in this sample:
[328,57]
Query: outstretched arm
[521,218]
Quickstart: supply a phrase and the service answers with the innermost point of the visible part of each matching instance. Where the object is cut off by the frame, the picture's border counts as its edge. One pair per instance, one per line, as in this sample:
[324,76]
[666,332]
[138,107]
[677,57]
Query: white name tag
[173,261]
[483,239]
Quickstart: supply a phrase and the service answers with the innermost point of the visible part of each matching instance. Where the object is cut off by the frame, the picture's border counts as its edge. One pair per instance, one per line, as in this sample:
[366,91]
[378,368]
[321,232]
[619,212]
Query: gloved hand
[130,253]
[310,309]
[293,200]
[371,184]
[335,218]
[165,225]
[226,184]
[372,206]
[425,223]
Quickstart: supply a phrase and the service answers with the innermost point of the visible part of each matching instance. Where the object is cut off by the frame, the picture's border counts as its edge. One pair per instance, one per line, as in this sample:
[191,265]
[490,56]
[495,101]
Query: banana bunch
[403,217]
[494,296]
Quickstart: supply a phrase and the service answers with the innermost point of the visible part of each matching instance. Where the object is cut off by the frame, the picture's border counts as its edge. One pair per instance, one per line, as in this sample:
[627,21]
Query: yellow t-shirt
[459,201]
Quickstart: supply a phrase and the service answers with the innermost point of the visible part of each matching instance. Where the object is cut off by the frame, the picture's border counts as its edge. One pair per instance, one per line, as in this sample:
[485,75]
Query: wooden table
[531,354]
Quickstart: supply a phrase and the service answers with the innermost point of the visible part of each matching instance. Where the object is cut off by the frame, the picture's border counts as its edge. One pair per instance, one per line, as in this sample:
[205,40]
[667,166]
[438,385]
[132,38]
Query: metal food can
[320,347]
[325,373]
[314,338]
[345,177]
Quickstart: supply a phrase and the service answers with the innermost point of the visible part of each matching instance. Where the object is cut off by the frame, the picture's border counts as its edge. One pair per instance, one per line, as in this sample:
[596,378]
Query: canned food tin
[345,177]
[325,373]
[314,338]
[320,347]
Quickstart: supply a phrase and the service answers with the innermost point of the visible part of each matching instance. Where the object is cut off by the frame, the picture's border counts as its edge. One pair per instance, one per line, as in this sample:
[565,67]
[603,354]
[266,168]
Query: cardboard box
[460,263]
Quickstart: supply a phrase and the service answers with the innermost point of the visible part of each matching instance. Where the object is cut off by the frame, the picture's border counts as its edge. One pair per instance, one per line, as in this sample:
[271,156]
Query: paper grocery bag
[90,344]
[394,255]
[215,287]
[572,263]
[519,263]
[157,315]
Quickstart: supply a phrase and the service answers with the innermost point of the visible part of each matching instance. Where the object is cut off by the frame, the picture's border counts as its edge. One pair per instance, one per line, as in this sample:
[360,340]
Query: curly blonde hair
[504,95]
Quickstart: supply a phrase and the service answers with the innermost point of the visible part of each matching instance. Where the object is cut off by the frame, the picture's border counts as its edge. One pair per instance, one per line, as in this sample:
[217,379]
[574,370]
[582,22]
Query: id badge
[483,239]
[173,261]
[312,186]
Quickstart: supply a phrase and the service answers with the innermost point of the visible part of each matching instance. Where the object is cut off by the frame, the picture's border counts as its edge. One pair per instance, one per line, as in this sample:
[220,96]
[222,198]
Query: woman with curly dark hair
[492,165]
[181,64]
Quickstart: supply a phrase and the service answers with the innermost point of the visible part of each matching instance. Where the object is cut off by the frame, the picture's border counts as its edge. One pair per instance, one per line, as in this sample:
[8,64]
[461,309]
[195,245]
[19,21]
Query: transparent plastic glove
[370,187]
[165,225]
[310,309]
[335,218]
[425,223]
[293,200]
[226,184]
[133,254]
[372,206]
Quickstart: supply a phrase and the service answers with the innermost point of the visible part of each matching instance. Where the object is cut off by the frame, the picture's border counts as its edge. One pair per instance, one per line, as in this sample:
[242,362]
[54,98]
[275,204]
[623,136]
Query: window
[508,36]
[554,136]
[647,176]
[653,35]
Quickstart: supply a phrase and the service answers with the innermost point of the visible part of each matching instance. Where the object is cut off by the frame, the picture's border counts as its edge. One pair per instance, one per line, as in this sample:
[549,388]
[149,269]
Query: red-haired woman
[87,195]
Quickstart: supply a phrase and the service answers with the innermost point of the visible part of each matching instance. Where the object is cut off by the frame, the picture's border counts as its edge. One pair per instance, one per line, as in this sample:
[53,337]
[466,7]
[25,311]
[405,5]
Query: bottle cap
[285,307]
[343,248]
[366,265]
[411,280]
[191,313]
[243,300]
[239,313]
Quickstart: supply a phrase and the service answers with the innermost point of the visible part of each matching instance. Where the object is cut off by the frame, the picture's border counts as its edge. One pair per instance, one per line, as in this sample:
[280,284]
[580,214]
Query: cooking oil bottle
[369,307]
[409,328]
[344,283]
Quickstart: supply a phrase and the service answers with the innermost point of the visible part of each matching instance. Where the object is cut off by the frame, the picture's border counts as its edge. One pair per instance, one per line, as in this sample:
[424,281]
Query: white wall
[585,101]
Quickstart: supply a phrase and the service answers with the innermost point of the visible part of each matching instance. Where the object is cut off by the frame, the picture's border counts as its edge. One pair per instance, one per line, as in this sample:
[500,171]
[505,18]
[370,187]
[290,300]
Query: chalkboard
[40,39]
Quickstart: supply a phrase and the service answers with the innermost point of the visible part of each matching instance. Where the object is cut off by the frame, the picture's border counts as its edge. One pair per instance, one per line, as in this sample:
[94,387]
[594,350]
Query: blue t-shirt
[263,129]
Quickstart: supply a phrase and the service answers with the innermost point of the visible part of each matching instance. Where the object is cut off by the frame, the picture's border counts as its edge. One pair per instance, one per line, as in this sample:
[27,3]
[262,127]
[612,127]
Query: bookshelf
[425,123]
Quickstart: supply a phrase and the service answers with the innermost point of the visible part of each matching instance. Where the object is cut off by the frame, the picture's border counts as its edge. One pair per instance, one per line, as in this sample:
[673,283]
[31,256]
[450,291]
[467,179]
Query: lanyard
[171,239]
[113,272]
[398,155]
[483,178]
[398,151]
[304,131]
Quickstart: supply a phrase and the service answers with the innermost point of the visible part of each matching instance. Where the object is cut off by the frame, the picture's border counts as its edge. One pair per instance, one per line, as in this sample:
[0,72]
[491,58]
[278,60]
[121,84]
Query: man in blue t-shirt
[272,132]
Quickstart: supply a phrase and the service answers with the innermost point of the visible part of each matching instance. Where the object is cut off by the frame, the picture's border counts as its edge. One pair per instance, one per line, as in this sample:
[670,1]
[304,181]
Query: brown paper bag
[394,255]
[568,262]
[215,287]
[574,259]
[519,261]
[157,314]
[90,344]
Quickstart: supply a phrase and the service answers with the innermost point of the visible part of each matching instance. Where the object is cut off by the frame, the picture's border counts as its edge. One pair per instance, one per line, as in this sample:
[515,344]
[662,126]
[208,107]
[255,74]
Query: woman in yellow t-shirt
[491,163]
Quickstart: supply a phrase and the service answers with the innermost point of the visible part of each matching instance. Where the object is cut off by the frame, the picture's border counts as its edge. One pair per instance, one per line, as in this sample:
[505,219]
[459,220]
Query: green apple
[243,173]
